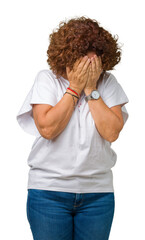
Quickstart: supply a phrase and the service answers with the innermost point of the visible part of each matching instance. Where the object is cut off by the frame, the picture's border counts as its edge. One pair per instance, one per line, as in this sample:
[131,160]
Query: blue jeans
[55,215]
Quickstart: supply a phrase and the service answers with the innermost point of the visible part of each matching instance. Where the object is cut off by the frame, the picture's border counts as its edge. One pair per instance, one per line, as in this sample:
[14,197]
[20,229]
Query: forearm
[106,121]
[57,118]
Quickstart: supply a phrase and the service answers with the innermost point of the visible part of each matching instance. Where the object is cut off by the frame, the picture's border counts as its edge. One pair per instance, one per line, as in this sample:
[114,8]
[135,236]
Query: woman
[75,110]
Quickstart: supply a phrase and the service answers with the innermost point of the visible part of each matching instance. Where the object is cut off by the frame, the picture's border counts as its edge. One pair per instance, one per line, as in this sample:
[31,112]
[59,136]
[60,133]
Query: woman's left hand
[94,72]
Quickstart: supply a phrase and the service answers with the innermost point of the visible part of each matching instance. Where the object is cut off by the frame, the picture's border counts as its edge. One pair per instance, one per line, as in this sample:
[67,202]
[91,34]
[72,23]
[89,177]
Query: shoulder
[109,79]
[45,76]
[108,82]
[45,73]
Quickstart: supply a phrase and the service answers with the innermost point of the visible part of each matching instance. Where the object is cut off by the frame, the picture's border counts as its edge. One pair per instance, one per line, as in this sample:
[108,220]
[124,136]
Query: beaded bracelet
[73,98]
[73,91]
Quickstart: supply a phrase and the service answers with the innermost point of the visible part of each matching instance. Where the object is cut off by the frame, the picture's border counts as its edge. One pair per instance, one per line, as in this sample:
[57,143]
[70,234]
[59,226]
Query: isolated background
[25,27]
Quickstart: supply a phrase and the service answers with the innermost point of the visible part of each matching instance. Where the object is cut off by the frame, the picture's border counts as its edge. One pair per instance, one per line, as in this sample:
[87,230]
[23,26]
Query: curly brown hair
[77,37]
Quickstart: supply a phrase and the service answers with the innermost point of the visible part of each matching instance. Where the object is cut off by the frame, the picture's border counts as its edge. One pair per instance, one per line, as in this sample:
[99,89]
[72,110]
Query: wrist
[88,91]
[77,90]
[73,96]
[72,93]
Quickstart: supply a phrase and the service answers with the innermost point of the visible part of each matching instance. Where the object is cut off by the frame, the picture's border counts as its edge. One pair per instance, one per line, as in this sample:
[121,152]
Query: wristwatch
[93,95]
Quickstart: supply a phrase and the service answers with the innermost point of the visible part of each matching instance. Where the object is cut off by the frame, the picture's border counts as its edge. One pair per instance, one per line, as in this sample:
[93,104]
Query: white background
[25,28]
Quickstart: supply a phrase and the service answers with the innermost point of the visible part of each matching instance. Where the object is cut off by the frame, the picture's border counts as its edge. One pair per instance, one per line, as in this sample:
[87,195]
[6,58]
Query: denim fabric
[55,215]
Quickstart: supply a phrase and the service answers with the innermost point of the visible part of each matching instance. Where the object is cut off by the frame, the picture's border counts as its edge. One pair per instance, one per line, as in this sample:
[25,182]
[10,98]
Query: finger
[75,66]
[89,73]
[86,66]
[79,60]
[90,69]
[93,65]
[82,63]
[98,63]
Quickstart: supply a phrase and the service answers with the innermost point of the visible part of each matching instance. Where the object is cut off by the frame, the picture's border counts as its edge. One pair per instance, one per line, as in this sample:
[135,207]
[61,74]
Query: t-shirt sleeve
[113,94]
[43,91]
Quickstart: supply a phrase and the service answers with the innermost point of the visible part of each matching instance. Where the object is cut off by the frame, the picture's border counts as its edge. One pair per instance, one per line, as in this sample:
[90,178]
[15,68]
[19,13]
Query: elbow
[111,135]
[46,133]
[49,133]
[115,134]
[113,138]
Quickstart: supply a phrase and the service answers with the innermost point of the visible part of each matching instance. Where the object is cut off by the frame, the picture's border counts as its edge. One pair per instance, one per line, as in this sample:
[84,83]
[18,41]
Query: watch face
[95,94]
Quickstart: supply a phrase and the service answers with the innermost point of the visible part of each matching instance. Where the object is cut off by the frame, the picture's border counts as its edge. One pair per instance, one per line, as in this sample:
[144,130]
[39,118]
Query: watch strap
[89,97]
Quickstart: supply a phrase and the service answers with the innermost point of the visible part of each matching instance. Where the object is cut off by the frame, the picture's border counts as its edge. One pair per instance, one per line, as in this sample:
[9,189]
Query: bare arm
[54,121]
[51,121]
[109,122]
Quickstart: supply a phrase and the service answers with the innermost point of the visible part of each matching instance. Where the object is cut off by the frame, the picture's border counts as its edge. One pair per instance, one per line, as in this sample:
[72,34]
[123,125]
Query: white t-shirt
[78,160]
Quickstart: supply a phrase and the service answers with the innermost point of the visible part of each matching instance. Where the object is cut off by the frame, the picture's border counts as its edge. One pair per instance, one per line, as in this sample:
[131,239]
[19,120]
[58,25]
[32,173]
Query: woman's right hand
[78,75]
